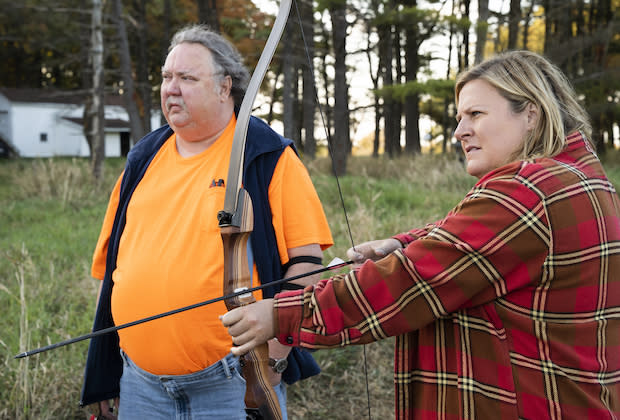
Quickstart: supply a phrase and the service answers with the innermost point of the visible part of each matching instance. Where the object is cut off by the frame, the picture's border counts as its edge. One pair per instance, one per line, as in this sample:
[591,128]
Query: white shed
[45,123]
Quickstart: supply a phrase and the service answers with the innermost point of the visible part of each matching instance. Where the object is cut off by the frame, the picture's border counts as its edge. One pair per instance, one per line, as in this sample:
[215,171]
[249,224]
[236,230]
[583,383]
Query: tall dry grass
[49,212]
[50,215]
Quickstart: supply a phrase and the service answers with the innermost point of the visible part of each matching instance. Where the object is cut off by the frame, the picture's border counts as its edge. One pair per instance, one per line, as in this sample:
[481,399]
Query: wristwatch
[278,365]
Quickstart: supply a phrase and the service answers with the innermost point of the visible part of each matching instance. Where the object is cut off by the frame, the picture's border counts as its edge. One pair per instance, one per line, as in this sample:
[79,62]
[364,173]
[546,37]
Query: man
[160,246]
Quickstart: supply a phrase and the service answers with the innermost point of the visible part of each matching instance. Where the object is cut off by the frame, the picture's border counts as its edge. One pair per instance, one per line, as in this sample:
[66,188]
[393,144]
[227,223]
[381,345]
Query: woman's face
[489,131]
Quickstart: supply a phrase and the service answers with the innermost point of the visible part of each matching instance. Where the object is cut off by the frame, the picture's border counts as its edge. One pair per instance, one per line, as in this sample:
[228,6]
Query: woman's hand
[372,250]
[250,325]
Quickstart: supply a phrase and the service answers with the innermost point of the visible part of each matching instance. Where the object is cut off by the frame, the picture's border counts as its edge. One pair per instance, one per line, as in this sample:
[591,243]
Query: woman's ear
[532,115]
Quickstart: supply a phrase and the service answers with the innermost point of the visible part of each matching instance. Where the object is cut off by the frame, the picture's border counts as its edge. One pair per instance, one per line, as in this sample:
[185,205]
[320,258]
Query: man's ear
[225,88]
[533,113]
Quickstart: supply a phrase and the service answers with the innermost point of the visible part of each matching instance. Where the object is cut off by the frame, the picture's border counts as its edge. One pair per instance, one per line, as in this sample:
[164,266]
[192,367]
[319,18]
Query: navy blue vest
[264,147]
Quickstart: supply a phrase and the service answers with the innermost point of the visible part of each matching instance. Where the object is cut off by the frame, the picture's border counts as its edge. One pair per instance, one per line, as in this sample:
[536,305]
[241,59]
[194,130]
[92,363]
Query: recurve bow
[236,223]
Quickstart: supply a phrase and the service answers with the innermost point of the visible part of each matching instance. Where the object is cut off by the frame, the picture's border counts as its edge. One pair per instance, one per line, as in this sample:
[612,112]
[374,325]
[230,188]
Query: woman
[506,308]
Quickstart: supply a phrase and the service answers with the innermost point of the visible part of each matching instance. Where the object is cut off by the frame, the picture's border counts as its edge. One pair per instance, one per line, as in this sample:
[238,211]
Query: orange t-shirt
[170,254]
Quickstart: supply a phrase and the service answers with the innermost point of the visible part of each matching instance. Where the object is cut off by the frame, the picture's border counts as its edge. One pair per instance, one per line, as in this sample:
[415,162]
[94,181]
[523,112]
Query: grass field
[50,215]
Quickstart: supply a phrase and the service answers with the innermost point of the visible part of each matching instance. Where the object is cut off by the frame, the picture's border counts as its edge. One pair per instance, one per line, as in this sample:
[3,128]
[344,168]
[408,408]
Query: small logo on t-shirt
[218,183]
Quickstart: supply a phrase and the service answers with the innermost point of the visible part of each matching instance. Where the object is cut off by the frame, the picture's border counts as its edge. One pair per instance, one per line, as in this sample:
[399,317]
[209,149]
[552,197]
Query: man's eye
[166,76]
[474,113]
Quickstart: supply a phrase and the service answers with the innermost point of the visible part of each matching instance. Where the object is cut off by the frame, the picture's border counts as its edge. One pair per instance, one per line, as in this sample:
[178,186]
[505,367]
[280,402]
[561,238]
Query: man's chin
[177,123]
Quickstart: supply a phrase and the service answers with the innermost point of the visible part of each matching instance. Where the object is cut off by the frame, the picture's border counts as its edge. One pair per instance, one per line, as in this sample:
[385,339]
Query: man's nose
[172,85]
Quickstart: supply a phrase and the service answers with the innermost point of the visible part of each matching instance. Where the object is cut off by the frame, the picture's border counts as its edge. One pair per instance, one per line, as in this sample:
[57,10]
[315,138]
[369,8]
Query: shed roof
[32,95]
[109,122]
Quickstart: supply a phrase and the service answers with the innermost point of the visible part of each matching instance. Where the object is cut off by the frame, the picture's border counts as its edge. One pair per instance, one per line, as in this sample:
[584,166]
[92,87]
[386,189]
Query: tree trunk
[514,18]
[289,87]
[309,102]
[374,76]
[546,4]
[465,56]
[397,106]
[94,114]
[165,38]
[135,120]
[527,19]
[142,66]
[447,132]
[482,27]
[323,53]
[341,95]
[412,102]
[388,101]
[207,13]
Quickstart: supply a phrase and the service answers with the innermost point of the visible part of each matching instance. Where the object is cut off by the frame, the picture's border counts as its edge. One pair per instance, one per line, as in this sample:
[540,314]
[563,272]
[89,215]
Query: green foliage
[440,88]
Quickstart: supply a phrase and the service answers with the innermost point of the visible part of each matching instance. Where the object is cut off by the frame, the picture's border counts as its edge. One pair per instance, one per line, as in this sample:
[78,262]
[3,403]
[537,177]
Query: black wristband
[292,286]
[302,259]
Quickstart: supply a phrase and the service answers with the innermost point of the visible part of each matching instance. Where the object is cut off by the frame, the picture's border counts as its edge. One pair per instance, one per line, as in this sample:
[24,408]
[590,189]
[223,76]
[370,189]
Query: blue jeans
[216,392]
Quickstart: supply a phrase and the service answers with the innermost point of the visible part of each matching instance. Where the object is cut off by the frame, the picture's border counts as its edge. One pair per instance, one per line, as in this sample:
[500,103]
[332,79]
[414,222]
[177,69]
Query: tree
[128,90]
[207,13]
[412,65]
[290,89]
[94,116]
[375,74]
[309,90]
[464,47]
[581,42]
[482,28]
[143,84]
[342,141]
[391,118]
[514,18]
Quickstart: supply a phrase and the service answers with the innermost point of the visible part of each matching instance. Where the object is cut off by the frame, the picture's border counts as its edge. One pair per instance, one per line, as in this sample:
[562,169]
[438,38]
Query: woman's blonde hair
[524,77]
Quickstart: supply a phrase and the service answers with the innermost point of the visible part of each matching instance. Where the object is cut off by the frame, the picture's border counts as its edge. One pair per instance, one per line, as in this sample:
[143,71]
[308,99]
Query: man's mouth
[170,105]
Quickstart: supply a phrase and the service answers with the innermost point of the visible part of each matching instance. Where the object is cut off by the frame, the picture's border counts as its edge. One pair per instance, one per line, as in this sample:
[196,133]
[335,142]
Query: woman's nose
[461,130]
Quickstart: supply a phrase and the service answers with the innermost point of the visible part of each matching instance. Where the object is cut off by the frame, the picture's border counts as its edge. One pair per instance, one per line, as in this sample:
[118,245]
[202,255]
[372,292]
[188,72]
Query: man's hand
[103,410]
[372,250]
[250,325]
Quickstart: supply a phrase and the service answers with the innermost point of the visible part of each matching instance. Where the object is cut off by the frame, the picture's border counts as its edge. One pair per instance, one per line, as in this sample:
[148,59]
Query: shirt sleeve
[101,249]
[297,213]
[493,243]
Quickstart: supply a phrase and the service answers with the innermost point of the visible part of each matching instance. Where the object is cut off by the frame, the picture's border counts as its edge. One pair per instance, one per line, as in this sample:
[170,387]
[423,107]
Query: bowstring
[331,155]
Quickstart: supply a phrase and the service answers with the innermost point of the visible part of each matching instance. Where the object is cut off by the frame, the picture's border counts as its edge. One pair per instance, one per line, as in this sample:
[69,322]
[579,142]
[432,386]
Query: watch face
[279,365]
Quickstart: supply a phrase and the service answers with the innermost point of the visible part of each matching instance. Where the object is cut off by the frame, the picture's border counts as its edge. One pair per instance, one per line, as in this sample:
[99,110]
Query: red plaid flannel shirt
[507,308]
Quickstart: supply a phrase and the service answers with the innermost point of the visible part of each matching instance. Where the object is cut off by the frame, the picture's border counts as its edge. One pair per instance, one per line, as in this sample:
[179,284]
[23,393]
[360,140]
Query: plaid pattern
[507,308]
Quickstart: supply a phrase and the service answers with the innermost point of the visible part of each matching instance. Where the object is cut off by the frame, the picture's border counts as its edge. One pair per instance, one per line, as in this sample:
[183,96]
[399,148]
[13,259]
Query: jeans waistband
[223,366]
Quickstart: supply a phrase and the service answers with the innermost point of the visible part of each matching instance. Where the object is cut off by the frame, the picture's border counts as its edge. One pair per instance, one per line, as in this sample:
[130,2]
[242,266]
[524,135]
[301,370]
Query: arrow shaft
[176,311]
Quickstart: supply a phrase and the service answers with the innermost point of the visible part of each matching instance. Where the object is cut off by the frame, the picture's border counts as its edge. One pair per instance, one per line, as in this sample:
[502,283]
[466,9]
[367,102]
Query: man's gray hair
[226,59]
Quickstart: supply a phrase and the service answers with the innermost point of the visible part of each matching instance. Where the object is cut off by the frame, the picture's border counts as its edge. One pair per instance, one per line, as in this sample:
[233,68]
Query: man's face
[193,94]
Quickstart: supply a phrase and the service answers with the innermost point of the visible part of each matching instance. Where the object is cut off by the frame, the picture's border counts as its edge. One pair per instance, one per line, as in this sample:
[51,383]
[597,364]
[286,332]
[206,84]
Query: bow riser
[260,398]
[235,238]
